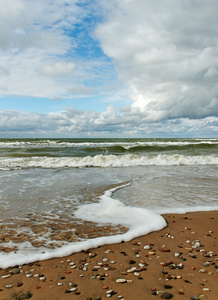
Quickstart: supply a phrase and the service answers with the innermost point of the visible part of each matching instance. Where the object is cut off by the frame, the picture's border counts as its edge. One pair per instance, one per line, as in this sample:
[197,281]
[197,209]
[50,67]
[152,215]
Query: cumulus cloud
[167,53]
[78,123]
[40,48]
[159,62]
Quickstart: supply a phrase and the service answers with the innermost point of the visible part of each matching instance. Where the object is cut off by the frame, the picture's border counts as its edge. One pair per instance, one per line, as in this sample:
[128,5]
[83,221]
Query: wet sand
[178,262]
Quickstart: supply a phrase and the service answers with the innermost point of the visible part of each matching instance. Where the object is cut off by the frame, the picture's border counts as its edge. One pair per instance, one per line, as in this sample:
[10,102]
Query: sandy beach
[178,262]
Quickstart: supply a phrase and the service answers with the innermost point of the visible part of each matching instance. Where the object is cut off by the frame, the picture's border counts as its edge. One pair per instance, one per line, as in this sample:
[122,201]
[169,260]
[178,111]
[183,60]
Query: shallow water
[53,199]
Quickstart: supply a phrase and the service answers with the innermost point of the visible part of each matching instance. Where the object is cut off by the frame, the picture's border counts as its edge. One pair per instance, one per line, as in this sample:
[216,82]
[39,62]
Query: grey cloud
[78,123]
[167,53]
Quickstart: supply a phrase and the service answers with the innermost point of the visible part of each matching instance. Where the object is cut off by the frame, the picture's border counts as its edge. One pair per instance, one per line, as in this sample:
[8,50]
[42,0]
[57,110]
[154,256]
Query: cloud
[47,51]
[78,123]
[167,53]
[155,61]
[82,90]
[57,69]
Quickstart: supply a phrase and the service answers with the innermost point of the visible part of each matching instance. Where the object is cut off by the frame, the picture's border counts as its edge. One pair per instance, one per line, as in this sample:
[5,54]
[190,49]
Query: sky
[99,68]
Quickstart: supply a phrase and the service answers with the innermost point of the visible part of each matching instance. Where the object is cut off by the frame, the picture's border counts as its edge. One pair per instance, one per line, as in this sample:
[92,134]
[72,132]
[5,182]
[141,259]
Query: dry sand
[181,263]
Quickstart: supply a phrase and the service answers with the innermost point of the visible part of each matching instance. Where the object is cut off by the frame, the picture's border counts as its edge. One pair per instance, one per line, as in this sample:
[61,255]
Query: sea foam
[140,221]
[105,161]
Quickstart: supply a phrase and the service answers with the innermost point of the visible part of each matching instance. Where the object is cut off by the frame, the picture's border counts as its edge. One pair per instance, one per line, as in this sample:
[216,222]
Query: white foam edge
[140,221]
[185,209]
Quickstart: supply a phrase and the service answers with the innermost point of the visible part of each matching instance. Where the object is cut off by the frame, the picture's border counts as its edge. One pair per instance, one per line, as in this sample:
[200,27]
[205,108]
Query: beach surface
[178,262]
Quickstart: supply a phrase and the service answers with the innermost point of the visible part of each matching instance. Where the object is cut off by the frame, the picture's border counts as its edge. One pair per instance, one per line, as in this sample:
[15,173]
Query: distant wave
[124,144]
[129,160]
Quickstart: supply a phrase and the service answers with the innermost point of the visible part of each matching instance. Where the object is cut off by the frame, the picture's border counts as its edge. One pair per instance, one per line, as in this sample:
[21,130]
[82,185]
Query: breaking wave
[10,163]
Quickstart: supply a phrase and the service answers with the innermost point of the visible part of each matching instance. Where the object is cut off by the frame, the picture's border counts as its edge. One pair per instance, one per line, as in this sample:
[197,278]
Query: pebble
[180,266]
[9,286]
[147,247]
[6,276]
[202,271]
[113,262]
[42,278]
[131,262]
[72,284]
[121,280]
[92,254]
[187,281]
[167,296]
[15,271]
[59,283]
[74,289]
[194,298]
[167,286]
[25,295]
[167,263]
[131,270]
[123,273]
[19,284]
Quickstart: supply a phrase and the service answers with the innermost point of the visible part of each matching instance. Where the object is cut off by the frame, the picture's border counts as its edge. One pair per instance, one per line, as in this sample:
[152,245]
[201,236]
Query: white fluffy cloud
[78,123]
[167,53]
[40,52]
[160,59]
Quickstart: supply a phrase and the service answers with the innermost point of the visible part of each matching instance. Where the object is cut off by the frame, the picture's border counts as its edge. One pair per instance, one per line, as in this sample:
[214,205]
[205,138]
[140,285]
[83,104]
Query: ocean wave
[105,161]
[98,144]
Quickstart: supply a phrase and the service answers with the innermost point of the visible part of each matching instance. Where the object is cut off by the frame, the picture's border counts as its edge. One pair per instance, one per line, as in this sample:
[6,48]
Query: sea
[61,196]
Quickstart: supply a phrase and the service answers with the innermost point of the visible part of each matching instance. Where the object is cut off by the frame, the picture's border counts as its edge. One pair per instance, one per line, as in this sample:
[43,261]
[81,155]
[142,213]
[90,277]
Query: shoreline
[181,262]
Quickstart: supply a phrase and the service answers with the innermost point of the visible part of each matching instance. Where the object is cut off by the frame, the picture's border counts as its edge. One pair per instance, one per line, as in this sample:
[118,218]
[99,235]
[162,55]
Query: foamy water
[56,195]
[106,161]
